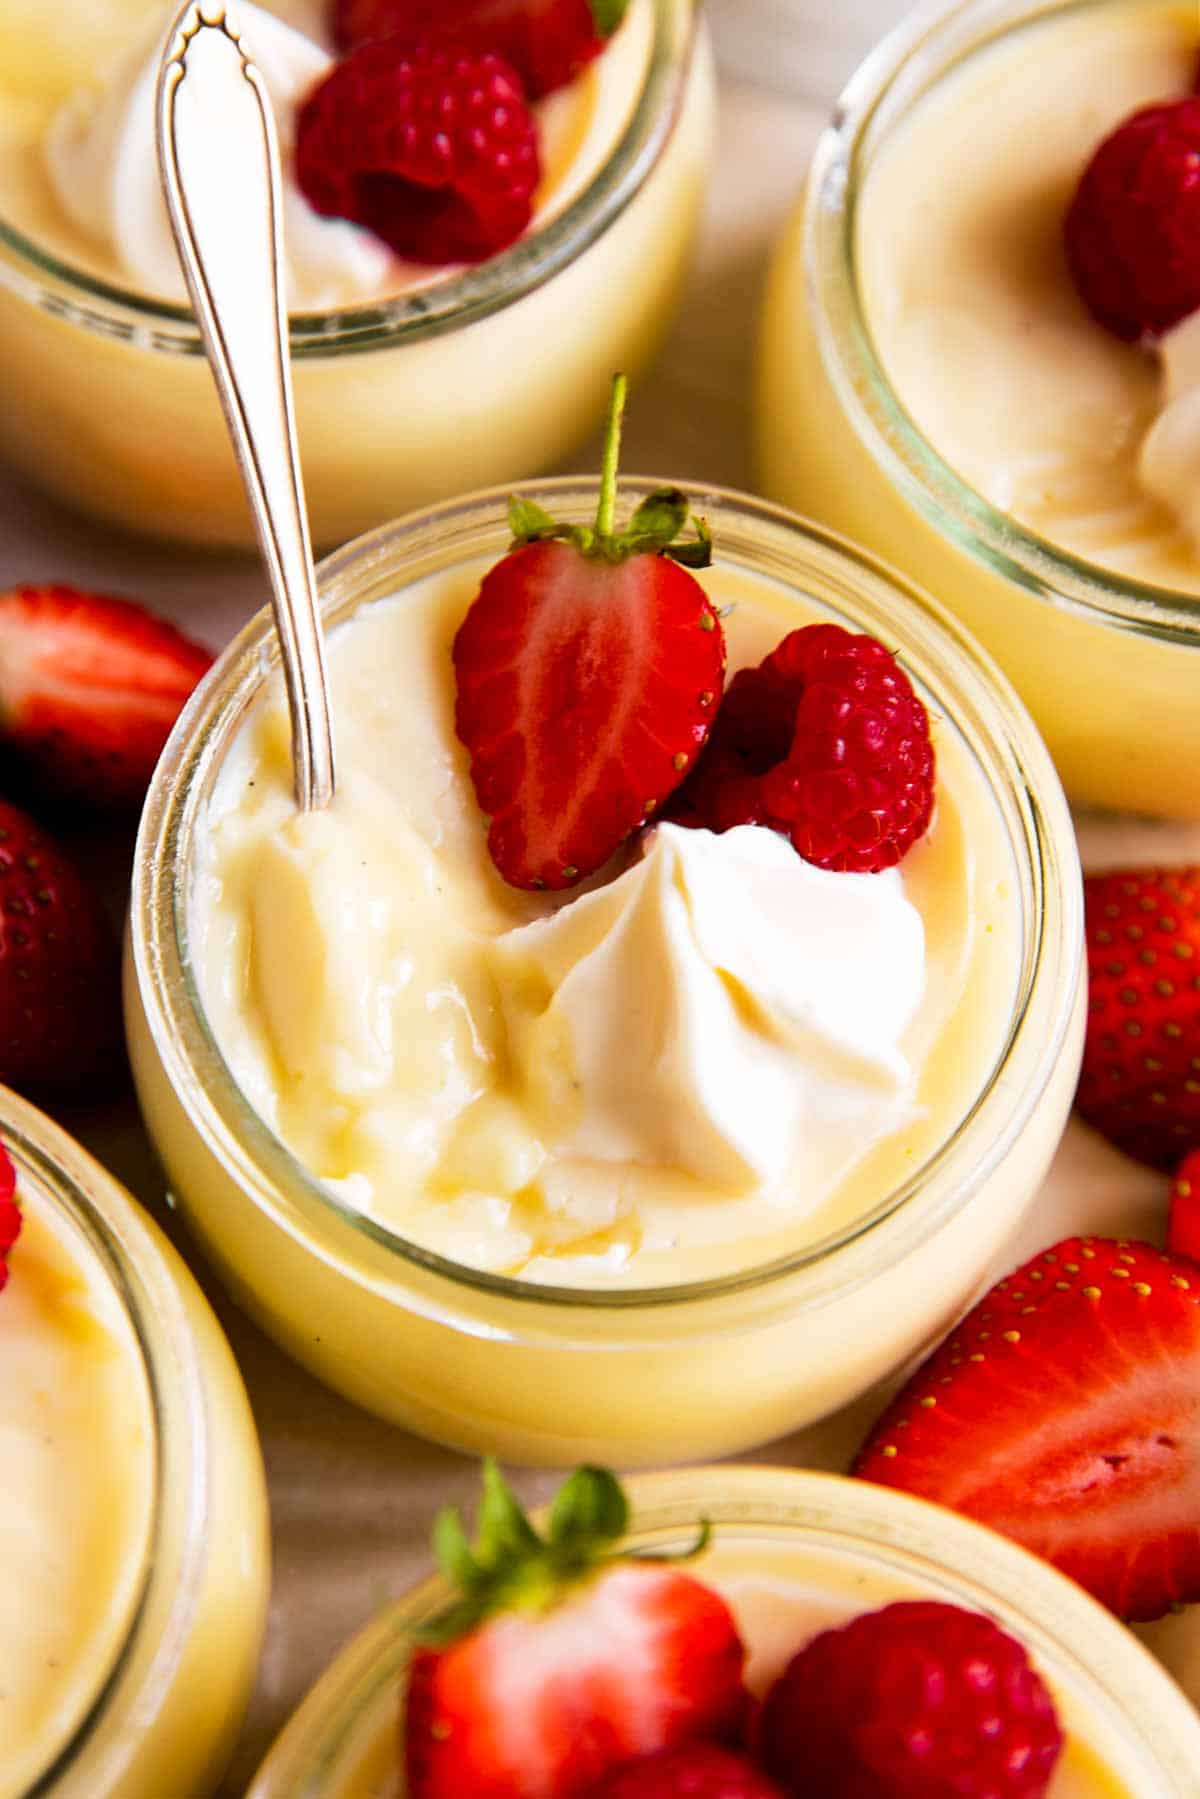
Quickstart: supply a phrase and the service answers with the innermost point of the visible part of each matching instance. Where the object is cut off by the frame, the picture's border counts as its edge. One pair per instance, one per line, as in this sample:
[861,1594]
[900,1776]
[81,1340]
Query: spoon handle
[219,157]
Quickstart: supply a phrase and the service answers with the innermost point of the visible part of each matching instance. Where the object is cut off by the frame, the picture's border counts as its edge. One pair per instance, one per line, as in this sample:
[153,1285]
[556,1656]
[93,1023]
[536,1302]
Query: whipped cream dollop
[722,1007]
[101,157]
[1170,454]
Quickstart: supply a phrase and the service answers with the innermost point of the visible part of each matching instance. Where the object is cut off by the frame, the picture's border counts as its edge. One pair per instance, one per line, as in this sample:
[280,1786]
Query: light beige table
[352,1499]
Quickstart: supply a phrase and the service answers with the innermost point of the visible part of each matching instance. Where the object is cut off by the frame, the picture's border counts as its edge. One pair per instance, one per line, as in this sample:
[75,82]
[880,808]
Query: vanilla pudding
[561,1089]
[941,392]
[794,1554]
[403,371]
[77,1448]
[132,1506]
[427,1130]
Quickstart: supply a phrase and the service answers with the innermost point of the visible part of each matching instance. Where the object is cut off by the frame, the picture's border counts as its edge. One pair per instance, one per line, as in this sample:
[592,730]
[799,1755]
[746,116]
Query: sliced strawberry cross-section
[589,669]
[1065,1412]
[89,689]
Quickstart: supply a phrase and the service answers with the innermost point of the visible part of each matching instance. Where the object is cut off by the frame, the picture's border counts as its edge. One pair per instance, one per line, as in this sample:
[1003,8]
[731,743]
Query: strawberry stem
[606,515]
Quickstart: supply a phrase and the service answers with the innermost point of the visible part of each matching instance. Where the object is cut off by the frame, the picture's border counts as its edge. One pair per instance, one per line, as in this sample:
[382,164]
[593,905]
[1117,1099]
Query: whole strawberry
[562,1659]
[60,1005]
[1065,1412]
[697,1771]
[827,743]
[1132,233]
[90,687]
[1140,1084]
[10,1213]
[588,669]
[921,1700]
[1183,1218]
[430,147]
[548,42]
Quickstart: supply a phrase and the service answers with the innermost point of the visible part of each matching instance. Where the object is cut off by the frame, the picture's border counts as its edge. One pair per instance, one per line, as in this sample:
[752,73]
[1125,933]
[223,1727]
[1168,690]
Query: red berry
[1139,1085]
[89,689]
[1183,1221]
[827,743]
[60,1005]
[700,1771]
[1065,1412]
[1132,232]
[588,668]
[918,1701]
[548,42]
[433,149]
[560,1662]
[10,1212]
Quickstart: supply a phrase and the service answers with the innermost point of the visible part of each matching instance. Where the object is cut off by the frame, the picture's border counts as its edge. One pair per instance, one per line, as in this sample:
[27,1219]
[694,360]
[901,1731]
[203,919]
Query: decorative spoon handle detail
[219,159]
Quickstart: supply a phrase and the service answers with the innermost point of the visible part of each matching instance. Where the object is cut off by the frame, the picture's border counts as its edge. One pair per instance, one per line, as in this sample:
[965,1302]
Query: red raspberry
[700,1771]
[918,1701]
[1132,232]
[433,149]
[825,742]
[1183,1220]
[548,42]
[10,1212]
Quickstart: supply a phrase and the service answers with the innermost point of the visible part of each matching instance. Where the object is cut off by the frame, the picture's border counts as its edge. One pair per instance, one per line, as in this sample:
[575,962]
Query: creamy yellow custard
[132,1499]
[363,972]
[419,388]
[77,1450]
[931,382]
[973,310]
[383,1276]
[795,1554]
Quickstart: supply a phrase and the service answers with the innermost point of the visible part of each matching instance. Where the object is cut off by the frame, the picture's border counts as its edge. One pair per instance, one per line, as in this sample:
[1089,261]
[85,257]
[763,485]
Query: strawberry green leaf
[657,521]
[608,15]
[505,1533]
[529,522]
[453,1551]
[590,1509]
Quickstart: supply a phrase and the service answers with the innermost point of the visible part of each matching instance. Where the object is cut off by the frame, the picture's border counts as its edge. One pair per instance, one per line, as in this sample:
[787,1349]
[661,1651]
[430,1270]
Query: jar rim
[123,314]
[1021,780]
[85,1194]
[849,1516]
[917,55]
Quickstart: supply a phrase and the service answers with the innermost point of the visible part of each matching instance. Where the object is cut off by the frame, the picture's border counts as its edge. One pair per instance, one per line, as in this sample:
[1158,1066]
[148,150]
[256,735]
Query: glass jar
[559,1374]
[1131,1732]
[1108,666]
[491,375]
[156,1707]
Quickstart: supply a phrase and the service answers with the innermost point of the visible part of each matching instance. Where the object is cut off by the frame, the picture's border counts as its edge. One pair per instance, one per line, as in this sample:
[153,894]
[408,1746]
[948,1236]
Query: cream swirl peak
[722,1007]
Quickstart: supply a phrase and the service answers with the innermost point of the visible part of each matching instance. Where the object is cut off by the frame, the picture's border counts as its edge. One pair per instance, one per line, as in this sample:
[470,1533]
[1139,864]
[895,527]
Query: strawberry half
[89,689]
[1065,1412]
[562,1659]
[589,668]
[548,42]
[60,1001]
[1140,1084]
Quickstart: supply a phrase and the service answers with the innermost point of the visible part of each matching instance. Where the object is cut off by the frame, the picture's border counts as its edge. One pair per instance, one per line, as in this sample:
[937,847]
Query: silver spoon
[219,159]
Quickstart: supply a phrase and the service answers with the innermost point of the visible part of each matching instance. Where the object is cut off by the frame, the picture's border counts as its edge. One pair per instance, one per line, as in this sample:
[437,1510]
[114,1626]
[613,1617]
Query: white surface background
[353,1499]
